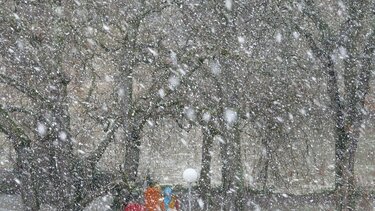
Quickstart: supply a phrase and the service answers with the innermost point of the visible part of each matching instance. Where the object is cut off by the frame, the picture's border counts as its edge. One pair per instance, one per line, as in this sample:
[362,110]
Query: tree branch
[95,156]
[16,109]
[10,128]
[32,93]
[322,26]
[142,117]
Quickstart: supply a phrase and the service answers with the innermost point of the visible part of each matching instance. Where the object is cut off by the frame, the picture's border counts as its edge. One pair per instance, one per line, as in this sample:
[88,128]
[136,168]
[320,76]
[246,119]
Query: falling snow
[230,116]
[190,113]
[206,117]
[296,35]
[161,93]
[174,58]
[343,52]
[121,92]
[228,4]
[241,39]
[62,135]
[278,37]
[155,53]
[42,129]
[106,27]
[99,99]
[215,67]
[173,82]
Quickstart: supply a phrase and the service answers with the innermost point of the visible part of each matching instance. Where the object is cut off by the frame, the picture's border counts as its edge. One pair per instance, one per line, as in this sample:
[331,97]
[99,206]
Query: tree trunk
[131,164]
[352,202]
[232,174]
[64,180]
[239,176]
[265,167]
[26,174]
[24,164]
[132,142]
[341,173]
[54,150]
[132,156]
[345,175]
[205,175]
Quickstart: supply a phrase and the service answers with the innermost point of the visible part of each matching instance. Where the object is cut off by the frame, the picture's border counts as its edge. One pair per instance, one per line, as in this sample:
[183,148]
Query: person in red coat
[134,207]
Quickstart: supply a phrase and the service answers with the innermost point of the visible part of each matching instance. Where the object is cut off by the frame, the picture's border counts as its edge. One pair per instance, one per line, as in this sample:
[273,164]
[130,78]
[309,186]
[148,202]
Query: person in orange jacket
[153,197]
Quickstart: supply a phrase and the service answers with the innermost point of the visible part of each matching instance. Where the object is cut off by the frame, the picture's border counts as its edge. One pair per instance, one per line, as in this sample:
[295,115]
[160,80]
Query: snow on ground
[14,203]
[100,204]
[10,203]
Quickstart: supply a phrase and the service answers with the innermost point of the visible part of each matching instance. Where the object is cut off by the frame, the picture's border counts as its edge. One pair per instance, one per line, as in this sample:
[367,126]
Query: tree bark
[132,155]
[232,172]
[267,158]
[26,174]
[205,174]
[24,164]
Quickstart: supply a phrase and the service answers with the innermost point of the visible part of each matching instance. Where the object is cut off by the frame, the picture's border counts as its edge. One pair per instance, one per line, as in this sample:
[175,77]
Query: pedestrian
[153,197]
[133,206]
[170,201]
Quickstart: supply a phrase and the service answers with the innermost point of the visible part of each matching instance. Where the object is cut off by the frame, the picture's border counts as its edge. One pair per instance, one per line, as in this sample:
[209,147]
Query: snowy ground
[14,203]
[100,204]
[10,203]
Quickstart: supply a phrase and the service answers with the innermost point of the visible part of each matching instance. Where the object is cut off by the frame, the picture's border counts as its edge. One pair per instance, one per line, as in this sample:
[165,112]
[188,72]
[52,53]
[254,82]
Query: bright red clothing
[134,207]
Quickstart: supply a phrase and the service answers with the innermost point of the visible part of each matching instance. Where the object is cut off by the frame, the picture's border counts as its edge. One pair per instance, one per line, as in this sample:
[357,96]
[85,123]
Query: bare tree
[42,66]
[353,44]
[225,61]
